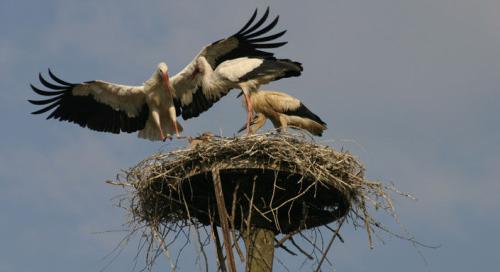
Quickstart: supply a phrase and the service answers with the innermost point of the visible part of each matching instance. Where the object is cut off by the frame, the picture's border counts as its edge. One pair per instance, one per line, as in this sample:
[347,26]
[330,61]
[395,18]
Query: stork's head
[162,68]
[163,73]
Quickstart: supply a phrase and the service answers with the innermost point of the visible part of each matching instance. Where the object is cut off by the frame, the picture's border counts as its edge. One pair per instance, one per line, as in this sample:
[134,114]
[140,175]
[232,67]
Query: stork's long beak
[166,83]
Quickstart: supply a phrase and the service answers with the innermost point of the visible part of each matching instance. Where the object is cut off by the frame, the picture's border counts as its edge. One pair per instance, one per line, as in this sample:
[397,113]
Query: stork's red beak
[166,83]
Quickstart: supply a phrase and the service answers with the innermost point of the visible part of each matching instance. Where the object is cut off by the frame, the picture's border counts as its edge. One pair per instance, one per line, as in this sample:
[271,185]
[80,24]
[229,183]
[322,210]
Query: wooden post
[259,242]
[223,218]
[218,248]
[259,245]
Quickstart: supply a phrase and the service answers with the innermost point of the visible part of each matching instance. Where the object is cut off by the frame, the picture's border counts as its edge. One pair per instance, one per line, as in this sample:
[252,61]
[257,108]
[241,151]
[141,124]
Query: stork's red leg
[249,112]
[163,138]
[177,133]
[173,119]
[156,118]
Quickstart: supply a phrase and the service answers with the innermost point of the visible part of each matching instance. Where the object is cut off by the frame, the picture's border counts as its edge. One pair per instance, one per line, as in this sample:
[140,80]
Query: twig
[220,255]
[301,250]
[164,248]
[335,234]
[284,248]
[233,227]
[223,217]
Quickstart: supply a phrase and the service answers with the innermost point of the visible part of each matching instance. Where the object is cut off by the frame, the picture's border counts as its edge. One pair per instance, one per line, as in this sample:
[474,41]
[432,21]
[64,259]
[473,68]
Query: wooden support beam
[223,217]
[260,249]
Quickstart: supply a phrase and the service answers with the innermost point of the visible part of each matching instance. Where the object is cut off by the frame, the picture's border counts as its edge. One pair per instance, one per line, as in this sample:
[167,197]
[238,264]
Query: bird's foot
[180,137]
[169,137]
[249,132]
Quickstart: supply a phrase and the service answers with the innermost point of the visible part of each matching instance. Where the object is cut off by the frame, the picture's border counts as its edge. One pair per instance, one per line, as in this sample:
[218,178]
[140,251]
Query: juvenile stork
[283,110]
[237,61]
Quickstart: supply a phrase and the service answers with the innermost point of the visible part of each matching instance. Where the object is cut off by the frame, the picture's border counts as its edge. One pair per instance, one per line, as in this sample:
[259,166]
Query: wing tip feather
[256,25]
[249,22]
[58,80]
[50,85]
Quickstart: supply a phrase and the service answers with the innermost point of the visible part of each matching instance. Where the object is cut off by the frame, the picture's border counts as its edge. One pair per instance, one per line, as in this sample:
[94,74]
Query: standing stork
[238,61]
[283,110]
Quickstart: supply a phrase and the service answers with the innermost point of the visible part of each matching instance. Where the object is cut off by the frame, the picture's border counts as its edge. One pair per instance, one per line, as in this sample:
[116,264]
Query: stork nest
[277,181]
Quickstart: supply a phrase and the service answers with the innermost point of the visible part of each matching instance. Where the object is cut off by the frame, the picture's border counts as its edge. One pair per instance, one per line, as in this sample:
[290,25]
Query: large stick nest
[283,182]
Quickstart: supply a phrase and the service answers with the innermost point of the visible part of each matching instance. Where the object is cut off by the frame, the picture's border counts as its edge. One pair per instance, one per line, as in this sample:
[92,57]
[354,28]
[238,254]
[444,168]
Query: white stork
[108,107]
[233,62]
[283,110]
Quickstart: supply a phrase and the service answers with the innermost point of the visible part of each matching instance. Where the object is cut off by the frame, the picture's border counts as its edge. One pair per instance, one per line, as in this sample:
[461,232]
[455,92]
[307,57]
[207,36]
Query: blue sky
[410,87]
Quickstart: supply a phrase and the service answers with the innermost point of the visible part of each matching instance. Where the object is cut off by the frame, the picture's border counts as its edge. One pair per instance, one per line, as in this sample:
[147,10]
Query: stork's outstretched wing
[247,42]
[250,41]
[98,105]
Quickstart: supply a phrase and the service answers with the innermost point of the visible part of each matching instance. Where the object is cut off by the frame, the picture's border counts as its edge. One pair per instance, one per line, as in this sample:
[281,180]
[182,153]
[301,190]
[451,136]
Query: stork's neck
[154,81]
[208,76]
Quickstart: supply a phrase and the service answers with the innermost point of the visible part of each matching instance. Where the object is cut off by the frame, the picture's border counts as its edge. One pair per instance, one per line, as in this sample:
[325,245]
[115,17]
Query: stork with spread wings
[239,61]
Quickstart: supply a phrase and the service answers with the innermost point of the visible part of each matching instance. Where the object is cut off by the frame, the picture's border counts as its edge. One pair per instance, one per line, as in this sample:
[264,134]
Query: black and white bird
[234,62]
[284,111]
[109,107]
[238,61]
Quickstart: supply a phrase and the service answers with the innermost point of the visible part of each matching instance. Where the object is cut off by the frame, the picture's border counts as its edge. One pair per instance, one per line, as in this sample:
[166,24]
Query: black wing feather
[280,68]
[85,110]
[249,38]
[265,29]
[258,24]
[50,85]
[268,38]
[45,93]
[252,18]
[47,101]
[270,45]
[58,80]
[49,107]
[199,104]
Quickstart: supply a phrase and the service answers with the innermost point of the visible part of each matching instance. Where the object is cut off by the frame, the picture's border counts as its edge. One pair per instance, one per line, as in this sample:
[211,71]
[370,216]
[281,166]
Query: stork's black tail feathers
[293,68]
[278,68]
[303,111]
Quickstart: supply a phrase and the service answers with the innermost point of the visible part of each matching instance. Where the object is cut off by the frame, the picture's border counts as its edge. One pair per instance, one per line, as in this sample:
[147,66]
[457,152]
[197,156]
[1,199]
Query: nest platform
[280,182]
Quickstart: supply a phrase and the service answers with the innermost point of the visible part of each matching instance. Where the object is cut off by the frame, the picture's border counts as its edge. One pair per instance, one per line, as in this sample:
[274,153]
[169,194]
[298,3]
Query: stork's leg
[258,122]
[177,134]
[173,119]
[248,102]
[283,123]
[156,118]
